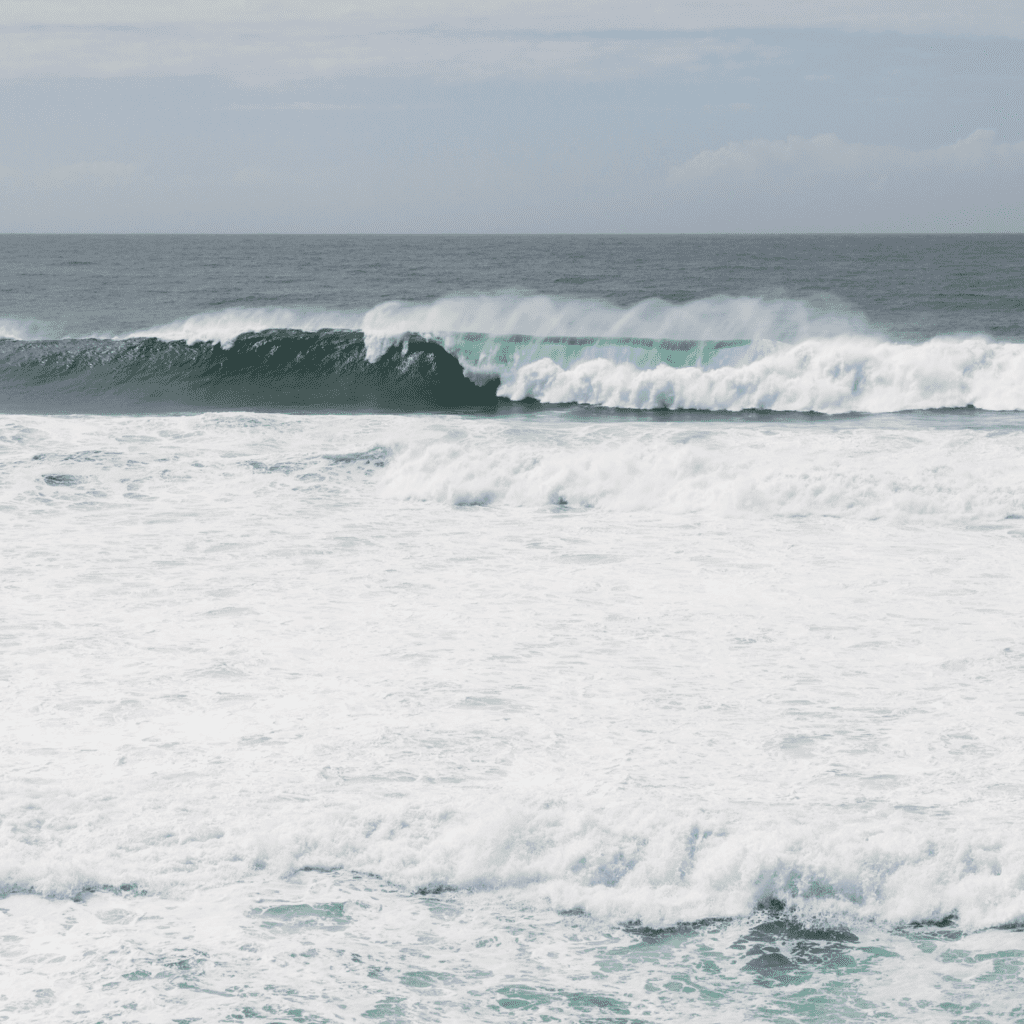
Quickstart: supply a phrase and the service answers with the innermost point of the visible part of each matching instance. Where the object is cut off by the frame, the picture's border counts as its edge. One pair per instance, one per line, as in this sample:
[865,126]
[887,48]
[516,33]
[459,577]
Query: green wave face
[519,349]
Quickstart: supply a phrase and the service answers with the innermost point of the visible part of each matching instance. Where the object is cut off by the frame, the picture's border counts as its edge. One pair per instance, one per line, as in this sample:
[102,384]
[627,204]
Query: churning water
[345,679]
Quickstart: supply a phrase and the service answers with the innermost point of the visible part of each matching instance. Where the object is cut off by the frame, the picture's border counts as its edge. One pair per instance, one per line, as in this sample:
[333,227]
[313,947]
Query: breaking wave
[802,356]
[616,859]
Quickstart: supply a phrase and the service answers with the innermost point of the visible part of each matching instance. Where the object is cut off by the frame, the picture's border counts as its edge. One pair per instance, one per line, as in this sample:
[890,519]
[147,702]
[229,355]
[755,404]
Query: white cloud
[259,39]
[826,184]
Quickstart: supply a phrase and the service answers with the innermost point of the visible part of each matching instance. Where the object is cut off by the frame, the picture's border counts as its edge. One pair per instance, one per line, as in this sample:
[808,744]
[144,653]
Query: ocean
[554,628]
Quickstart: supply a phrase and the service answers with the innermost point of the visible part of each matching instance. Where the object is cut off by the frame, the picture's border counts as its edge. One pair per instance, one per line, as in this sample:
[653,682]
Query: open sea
[388,632]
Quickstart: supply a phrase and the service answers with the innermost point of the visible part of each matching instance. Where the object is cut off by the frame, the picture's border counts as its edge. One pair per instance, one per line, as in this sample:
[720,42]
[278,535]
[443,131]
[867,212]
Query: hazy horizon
[505,234]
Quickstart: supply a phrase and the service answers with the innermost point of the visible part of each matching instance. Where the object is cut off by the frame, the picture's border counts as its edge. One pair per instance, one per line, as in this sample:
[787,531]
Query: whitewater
[346,677]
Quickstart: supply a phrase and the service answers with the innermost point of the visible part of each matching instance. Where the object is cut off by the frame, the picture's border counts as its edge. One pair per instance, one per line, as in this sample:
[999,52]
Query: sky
[511,116]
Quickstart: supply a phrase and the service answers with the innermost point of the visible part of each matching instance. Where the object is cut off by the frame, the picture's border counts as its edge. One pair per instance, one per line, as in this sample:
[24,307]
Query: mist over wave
[219,326]
[225,326]
[802,357]
[717,317]
[784,320]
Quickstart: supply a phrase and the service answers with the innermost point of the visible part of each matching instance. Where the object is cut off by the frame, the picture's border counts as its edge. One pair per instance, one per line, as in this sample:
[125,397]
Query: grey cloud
[498,116]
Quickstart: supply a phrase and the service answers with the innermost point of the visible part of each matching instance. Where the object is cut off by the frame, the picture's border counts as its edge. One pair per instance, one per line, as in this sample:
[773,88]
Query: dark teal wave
[266,370]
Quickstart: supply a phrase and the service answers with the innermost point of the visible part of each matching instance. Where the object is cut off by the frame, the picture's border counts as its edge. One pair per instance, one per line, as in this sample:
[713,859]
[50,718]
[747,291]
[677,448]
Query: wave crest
[720,316]
[225,326]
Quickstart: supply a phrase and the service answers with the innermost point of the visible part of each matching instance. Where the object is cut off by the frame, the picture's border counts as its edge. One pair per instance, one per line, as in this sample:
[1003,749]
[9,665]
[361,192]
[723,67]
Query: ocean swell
[283,369]
[791,356]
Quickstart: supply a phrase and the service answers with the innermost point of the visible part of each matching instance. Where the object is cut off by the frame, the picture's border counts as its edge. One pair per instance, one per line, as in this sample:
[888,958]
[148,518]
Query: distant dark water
[911,285]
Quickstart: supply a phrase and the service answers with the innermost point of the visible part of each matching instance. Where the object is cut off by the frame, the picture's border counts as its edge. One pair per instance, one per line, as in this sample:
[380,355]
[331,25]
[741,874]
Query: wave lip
[225,326]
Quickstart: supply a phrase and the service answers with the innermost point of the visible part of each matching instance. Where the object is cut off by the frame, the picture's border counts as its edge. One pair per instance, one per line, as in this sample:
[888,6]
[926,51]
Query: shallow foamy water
[553,716]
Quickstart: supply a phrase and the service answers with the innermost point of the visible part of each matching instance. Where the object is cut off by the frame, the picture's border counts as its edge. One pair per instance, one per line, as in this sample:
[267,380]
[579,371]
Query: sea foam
[620,858]
[893,474]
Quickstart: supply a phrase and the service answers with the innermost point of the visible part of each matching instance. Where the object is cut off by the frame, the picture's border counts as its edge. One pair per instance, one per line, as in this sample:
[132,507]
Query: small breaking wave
[615,859]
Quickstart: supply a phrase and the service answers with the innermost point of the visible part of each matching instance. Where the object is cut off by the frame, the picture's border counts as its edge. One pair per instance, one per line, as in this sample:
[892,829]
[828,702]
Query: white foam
[834,375]
[769,659]
[733,471]
[571,844]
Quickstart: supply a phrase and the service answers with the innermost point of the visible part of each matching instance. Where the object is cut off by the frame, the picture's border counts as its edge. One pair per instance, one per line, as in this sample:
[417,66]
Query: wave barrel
[484,350]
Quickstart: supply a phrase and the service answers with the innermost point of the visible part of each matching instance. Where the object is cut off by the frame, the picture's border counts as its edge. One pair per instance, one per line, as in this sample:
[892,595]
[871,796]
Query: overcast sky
[511,115]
